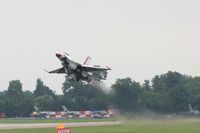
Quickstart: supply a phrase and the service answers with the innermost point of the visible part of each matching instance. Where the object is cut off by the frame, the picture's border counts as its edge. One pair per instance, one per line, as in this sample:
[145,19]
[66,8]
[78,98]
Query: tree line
[171,92]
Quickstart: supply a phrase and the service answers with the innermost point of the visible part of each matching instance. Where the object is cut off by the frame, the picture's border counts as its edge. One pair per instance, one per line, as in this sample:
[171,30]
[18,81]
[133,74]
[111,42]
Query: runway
[53,125]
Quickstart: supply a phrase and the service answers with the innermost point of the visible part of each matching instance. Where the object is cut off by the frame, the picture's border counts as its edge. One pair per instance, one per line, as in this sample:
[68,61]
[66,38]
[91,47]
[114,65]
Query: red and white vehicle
[2,115]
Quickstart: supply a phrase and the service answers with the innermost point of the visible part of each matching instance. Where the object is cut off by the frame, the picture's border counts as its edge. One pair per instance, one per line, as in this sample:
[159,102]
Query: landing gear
[72,77]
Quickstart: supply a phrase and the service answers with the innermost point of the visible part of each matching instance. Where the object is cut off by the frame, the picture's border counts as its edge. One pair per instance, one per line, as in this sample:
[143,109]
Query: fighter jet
[193,111]
[76,71]
[41,114]
[70,112]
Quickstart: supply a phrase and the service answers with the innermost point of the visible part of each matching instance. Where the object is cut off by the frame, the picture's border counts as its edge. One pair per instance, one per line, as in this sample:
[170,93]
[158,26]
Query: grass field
[135,126]
[18,120]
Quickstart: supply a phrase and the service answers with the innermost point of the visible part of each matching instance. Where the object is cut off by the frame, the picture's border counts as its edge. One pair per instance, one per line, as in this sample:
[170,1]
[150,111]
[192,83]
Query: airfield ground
[173,125]
[32,120]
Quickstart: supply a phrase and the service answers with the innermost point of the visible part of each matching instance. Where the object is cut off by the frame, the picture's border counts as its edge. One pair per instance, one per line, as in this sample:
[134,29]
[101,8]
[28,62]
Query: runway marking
[51,125]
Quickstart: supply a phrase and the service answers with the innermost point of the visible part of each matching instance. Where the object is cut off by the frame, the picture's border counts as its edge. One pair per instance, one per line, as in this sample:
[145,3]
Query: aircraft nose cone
[58,55]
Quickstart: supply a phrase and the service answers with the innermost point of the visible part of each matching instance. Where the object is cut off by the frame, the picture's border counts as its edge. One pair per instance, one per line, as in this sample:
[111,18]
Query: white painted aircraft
[76,71]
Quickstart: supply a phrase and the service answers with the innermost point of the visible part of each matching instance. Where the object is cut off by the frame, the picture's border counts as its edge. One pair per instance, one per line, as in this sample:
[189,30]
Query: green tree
[126,94]
[42,90]
[15,90]
[2,101]
[166,81]
[193,86]
[146,85]
[82,96]
[156,102]
[45,102]
[26,106]
[181,98]
[14,98]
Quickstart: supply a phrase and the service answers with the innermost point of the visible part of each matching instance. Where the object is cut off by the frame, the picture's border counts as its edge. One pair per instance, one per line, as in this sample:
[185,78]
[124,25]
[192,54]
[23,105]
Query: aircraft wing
[60,70]
[92,69]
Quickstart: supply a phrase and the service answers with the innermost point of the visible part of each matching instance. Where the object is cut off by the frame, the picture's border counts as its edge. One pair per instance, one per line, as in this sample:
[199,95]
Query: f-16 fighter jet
[76,71]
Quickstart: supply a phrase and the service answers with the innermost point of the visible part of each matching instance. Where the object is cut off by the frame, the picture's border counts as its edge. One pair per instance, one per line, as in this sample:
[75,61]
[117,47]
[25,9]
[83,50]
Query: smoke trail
[100,85]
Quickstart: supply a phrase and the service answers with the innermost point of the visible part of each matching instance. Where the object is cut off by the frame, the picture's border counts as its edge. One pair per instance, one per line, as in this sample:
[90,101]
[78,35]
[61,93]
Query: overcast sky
[136,38]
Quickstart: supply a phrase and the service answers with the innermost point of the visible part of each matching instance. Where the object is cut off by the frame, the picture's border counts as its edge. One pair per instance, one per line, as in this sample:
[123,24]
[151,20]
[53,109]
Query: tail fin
[36,109]
[87,61]
[65,109]
[190,108]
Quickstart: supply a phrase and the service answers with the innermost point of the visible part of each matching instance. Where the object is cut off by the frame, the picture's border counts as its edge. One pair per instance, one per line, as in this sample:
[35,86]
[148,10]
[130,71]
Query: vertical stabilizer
[36,109]
[87,61]
[65,109]
[190,108]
